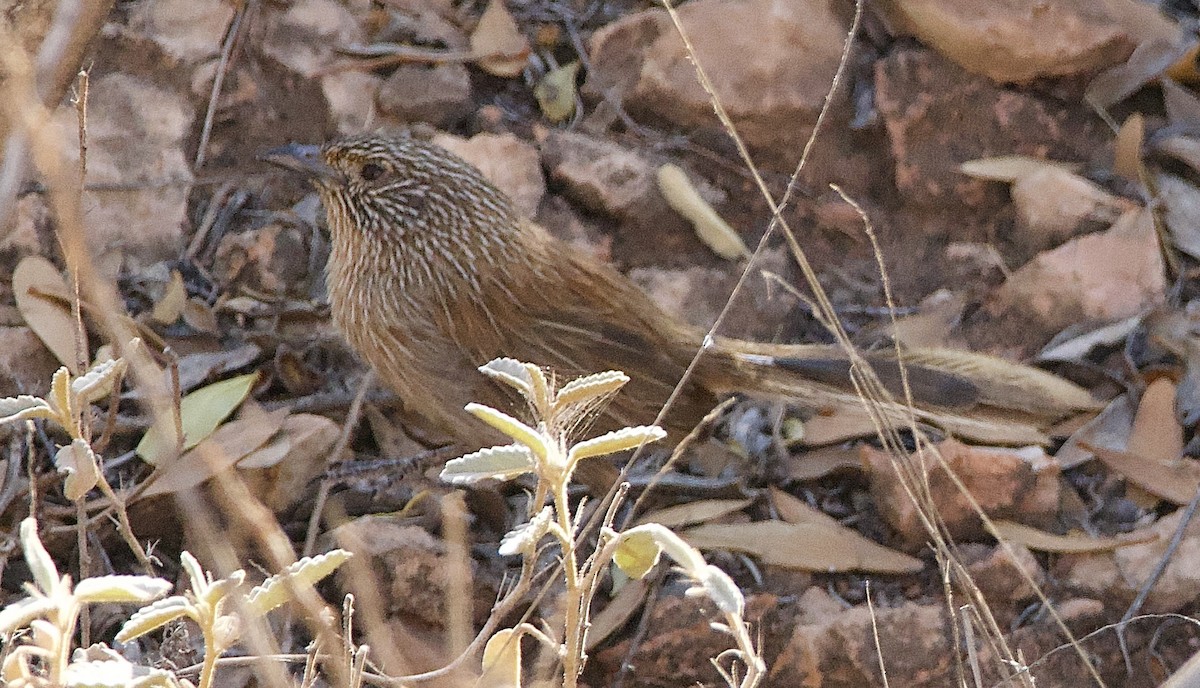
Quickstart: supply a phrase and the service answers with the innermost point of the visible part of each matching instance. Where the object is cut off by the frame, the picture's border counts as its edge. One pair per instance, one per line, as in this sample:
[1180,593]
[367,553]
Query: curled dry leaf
[1110,428]
[49,319]
[502,49]
[1181,206]
[280,470]
[714,231]
[1148,61]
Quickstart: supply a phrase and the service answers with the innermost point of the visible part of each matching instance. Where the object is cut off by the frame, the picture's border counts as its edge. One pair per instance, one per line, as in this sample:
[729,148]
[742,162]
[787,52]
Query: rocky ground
[1029,171]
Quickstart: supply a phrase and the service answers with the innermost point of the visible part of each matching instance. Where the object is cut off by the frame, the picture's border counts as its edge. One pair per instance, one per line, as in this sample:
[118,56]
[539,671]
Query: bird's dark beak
[305,159]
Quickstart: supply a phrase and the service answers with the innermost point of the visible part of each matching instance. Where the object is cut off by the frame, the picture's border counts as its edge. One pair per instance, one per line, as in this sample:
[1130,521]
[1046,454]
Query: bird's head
[402,189]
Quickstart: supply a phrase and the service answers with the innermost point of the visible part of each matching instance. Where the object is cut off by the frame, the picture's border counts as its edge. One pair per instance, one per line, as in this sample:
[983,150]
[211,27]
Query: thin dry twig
[231,35]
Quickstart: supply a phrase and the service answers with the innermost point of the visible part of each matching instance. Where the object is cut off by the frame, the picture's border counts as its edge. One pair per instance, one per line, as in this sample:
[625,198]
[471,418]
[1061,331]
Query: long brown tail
[979,397]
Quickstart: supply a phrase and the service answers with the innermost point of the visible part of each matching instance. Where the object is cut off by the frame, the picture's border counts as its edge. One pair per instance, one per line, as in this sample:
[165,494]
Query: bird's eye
[370,172]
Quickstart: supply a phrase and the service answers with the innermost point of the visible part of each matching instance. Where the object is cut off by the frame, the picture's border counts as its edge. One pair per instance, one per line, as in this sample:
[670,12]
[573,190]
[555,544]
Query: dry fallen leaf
[1110,428]
[199,316]
[168,308]
[822,461]
[1072,346]
[200,412]
[793,510]
[1042,541]
[279,471]
[807,546]
[1127,149]
[48,318]
[221,450]
[1148,61]
[1156,434]
[1176,482]
[620,609]
[694,512]
[500,45]
[1180,201]
[1181,104]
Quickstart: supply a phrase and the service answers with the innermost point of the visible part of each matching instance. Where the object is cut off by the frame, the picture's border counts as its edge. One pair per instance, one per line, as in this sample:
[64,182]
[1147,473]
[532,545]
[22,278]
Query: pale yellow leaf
[637,553]
[615,441]
[24,407]
[492,463]
[589,388]
[304,573]
[153,616]
[79,463]
[511,372]
[502,660]
[1010,168]
[512,427]
[710,227]
[555,93]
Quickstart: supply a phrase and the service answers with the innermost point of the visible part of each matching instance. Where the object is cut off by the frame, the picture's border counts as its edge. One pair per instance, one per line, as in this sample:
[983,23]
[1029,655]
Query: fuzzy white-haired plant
[547,449]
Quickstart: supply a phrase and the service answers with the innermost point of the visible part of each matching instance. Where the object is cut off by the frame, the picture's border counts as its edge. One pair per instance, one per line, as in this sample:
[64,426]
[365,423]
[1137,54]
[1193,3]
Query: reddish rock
[1018,484]
[840,651]
[996,573]
[1016,40]
[1104,276]
[787,53]
[618,183]
[145,220]
[1117,576]
[437,94]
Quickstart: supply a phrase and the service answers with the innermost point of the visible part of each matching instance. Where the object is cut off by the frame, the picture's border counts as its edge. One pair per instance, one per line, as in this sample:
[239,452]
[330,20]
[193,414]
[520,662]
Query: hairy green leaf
[493,463]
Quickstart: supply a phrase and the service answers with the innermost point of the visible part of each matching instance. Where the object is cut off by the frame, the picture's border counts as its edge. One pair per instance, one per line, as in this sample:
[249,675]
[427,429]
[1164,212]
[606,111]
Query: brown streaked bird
[433,273]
